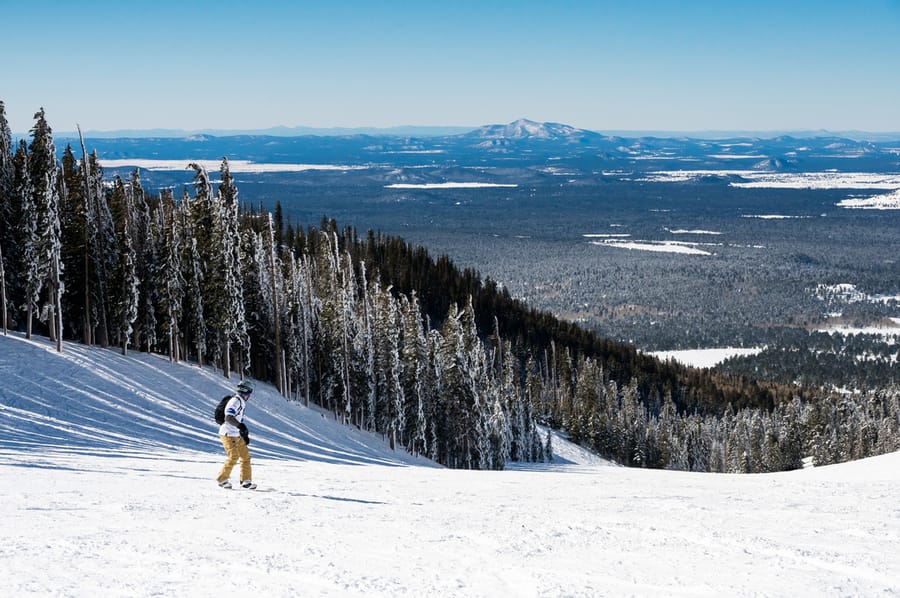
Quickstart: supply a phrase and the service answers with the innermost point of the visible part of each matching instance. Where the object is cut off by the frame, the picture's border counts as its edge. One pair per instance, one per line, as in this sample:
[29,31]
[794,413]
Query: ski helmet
[244,387]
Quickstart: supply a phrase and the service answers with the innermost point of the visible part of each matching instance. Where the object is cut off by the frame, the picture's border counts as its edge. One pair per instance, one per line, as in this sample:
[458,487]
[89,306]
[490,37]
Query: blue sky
[602,65]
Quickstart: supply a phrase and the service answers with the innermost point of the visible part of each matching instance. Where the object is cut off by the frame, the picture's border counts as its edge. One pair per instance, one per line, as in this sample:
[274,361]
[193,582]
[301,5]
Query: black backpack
[220,410]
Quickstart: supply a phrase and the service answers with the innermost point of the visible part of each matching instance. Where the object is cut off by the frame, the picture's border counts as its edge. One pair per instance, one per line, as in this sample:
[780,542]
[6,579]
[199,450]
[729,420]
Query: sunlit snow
[681,231]
[109,464]
[784,180]
[705,358]
[449,185]
[658,246]
[234,166]
[887,201]
[773,216]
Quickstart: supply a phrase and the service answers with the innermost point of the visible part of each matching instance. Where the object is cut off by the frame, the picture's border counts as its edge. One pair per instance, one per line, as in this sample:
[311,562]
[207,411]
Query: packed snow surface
[109,463]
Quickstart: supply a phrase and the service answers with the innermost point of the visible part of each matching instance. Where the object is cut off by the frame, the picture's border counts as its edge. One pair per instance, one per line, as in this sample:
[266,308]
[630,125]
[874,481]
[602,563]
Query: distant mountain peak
[529,129]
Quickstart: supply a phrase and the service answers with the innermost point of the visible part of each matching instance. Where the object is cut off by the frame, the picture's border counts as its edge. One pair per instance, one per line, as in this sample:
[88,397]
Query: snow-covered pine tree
[6,190]
[230,319]
[169,277]
[25,261]
[391,325]
[194,326]
[43,170]
[146,261]
[72,237]
[277,299]
[124,284]
[364,377]
[413,375]
[257,290]
[306,312]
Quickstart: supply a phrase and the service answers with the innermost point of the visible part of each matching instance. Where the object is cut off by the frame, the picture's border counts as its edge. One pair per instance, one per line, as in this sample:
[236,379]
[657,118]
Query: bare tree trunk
[226,358]
[279,377]
[56,301]
[3,293]
[87,336]
[103,331]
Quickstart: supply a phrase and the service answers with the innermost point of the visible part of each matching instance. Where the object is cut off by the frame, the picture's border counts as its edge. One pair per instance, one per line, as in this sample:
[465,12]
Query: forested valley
[437,360]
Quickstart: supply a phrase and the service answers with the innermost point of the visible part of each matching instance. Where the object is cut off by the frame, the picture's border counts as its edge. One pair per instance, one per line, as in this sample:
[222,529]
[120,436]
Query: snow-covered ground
[450,185]
[885,201]
[234,166]
[109,464]
[657,246]
[785,180]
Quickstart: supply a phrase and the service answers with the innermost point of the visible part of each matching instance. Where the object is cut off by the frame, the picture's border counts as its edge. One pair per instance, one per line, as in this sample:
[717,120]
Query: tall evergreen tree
[7,172]
[170,277]
[102,249]
[124,284]
[230,319]
[44,171]
[27,291]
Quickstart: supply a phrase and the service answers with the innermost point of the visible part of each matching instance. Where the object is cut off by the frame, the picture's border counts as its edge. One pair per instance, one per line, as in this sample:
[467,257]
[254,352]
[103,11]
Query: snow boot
[225,484]
[248,485]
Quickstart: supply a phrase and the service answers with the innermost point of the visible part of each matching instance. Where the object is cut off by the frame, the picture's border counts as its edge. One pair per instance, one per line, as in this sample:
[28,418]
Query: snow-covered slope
[108,464]
[92,400]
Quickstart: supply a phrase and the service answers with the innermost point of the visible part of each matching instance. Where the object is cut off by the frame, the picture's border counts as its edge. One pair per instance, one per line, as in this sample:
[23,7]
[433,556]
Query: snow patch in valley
[234,166]
[774,217]
[680,231]
[449,185]
[783,180]
[888,201]
[891,334]
[657,246]
[705,358]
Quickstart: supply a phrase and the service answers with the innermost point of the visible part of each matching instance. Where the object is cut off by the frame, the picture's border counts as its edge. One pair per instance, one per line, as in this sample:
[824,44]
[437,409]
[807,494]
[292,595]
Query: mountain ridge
[513,129]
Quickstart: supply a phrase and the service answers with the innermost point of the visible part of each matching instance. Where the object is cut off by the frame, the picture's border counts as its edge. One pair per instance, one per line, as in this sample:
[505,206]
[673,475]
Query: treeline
[388,339]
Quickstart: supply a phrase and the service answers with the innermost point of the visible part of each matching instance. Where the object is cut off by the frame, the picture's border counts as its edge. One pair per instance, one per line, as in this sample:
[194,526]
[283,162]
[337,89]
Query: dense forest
[389,339]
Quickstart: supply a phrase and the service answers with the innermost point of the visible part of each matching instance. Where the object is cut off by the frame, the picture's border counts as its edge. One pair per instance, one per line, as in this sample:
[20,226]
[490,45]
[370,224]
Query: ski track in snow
[112,461]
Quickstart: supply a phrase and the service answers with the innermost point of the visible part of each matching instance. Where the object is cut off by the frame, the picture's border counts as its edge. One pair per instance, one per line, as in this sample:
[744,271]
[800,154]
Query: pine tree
[169,277]
[144,252]
[414,356]
[25,260]
[43,171]
[7,172]
[124,282]
[194,325]
[72,236]
[277,297]
[229,321]
[101,248]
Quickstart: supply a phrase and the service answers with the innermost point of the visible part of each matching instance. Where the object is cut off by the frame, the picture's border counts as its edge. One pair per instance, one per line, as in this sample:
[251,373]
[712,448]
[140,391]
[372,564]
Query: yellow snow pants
[235,449]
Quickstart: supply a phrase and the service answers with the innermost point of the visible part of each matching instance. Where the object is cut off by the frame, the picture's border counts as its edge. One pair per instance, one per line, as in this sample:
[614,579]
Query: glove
[245,434]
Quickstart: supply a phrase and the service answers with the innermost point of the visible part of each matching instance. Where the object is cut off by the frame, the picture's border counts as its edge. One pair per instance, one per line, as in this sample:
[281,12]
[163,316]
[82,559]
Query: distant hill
[522,143]
[517,129]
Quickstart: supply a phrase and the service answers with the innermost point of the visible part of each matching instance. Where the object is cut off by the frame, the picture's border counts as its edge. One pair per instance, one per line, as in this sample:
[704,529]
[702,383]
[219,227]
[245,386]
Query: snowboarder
[236,439]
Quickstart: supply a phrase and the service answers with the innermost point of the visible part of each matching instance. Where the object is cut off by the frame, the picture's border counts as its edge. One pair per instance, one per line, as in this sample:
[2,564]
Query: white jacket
[234,408]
